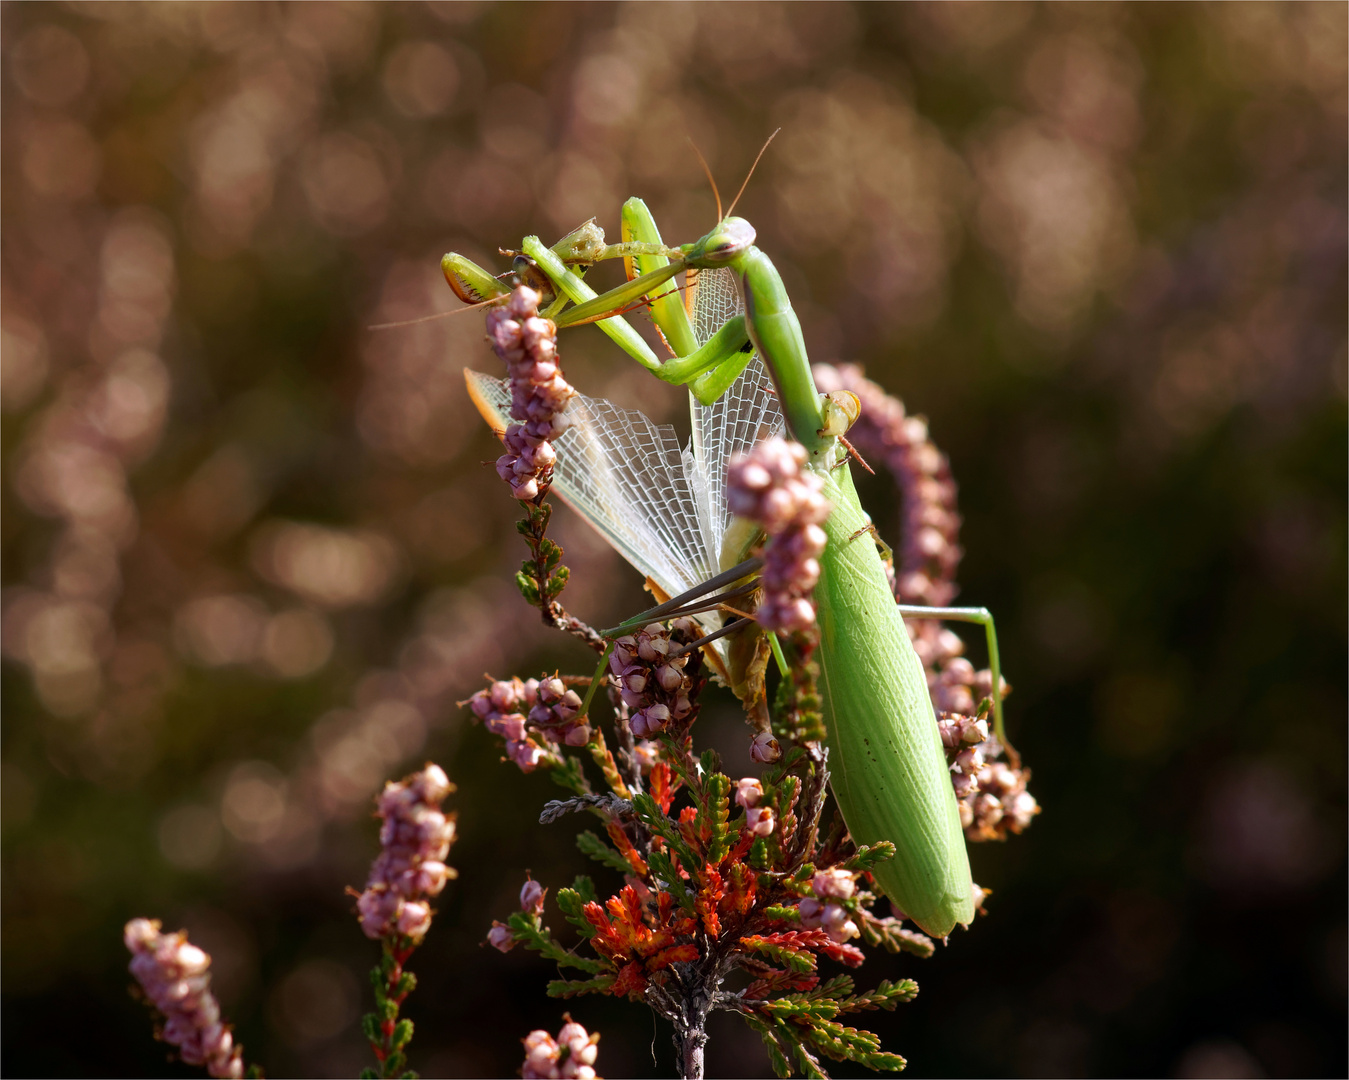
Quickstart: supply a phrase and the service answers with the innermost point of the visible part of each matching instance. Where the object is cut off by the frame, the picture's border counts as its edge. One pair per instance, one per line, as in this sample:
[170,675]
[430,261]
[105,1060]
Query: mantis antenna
[707,171]
[433,317]
[748,174]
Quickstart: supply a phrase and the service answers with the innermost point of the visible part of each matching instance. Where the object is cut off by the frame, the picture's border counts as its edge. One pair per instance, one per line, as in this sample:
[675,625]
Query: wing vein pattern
[745,415]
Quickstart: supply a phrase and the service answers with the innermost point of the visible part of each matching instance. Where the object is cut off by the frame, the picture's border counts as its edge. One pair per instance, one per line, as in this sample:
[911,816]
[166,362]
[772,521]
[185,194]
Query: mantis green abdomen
[889,770]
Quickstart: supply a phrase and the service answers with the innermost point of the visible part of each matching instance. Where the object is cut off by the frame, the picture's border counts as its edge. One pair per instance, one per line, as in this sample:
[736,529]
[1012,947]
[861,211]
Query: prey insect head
[840,409]
[584,245]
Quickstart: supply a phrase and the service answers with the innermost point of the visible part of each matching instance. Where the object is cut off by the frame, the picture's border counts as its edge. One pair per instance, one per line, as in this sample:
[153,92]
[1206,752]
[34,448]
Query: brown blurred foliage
[251,558]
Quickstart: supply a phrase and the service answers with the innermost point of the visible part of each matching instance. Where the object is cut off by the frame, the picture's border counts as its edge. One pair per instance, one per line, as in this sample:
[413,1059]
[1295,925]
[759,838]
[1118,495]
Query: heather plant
[738,894]
[174,979]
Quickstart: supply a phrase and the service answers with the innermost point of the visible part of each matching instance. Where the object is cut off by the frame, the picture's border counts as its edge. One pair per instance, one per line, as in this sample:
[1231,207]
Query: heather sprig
[769,487]
[415,837]
[539,392]
[990,793]
[175,977]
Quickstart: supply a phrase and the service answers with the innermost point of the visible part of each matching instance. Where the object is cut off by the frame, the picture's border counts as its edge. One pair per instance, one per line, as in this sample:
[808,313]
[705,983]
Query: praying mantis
[666,514]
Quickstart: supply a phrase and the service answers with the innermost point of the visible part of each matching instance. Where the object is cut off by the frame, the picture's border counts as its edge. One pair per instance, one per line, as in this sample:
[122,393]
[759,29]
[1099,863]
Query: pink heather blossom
[539,393]
[415,837]
[655,687]
[529,714]
[174,976]
[835,922]
[834,883]
[990,793]
[765,749]
[531,897]
[759,820]
[748,792]
[649,721]
[647,754]
[500,937]
[830,917]
[571,1056]
[770,486]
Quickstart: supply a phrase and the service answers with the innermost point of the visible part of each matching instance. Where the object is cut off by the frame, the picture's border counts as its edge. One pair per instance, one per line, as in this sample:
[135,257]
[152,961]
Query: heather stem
[695,987]
[393,994]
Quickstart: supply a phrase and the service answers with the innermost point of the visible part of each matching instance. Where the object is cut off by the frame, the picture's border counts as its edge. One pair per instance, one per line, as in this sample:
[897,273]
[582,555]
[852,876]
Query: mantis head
[731,238]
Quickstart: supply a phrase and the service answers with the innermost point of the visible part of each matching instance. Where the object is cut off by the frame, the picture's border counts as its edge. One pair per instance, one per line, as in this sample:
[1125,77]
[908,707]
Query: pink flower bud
[578,735]
[505,696]
[759,820]
[811,910]
[813,540]
[414,919]
[540,1055]
[669,677]
[510,727]
[525,754]
[653,649]
[836,923]
[764,750]
[140,933]
[958,670]
[531,897]
[836,883]
[649,721]
[748,792]
[376,908]
[625,649]
[500,937]
[574,1037]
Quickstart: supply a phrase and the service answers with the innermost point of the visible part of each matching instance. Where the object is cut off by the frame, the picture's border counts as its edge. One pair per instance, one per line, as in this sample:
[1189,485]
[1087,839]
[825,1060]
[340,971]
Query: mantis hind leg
[984,618]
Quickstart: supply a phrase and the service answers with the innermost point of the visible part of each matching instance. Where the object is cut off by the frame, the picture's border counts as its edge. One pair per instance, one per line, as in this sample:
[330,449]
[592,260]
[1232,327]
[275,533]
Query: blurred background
[252,556]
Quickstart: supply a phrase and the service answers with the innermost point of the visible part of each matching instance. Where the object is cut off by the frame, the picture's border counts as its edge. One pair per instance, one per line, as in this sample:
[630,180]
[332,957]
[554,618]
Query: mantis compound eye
[729,239]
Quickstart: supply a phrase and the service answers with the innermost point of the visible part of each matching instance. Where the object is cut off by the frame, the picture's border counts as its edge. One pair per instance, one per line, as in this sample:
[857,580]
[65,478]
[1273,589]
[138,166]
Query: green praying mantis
[741,352]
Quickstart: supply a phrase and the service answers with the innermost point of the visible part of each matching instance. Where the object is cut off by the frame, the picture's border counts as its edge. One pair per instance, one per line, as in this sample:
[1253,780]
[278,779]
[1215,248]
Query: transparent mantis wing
[745,415]
[661,508]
